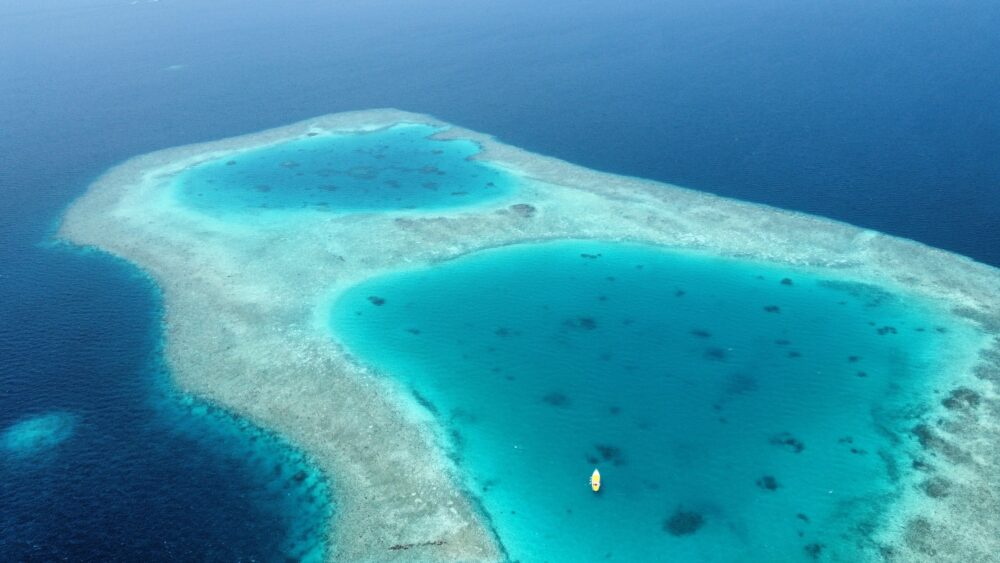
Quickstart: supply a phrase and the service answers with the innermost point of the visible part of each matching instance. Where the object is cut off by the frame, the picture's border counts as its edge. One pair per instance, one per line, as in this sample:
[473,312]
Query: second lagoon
[737,411]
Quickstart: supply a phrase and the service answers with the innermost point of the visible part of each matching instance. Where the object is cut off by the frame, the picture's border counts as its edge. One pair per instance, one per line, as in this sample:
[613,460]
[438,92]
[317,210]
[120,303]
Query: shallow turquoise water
[37,433]
[737,412]
[399,167]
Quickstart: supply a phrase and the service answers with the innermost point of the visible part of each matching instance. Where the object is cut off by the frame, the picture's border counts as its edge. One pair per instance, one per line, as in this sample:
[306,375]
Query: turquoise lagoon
[398,167]
[738,411]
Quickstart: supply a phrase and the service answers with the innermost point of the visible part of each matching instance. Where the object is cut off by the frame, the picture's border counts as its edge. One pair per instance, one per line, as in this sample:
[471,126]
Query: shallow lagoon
[398,167]
[736,410]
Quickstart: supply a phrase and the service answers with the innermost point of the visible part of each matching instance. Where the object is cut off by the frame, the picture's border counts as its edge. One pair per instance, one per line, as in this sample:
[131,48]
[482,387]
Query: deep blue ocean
[882,114]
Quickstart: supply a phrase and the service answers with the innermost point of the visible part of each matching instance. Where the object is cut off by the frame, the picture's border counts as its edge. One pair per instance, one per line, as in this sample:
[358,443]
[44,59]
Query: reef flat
[247,299]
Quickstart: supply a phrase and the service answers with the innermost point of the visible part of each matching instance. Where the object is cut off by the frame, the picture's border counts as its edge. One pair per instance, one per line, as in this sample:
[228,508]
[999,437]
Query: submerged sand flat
[246,304]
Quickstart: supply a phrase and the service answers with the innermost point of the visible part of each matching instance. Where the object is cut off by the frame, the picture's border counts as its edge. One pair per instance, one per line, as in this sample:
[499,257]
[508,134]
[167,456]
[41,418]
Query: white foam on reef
[247,301]
[37,433]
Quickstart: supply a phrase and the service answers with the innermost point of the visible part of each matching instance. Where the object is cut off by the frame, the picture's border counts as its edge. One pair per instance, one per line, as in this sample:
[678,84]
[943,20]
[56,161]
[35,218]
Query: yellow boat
[595,481]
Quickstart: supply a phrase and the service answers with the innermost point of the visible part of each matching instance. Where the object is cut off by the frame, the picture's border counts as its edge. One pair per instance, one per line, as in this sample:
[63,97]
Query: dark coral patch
[683,522]
[583,323]
[787,281]
[523,209]
[788,442]
[556,399]
[376,300]
[714,353]
[936,487]
[931,441]
[768,483]
[405,546]
[425,402]
[882,331]
[814,550]
[962,398]
[924,435]
[611,454]
[918,534]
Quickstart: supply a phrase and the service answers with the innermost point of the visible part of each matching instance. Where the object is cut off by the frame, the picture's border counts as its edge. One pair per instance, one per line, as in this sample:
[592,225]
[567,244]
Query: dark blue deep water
[883,114]
[135,470]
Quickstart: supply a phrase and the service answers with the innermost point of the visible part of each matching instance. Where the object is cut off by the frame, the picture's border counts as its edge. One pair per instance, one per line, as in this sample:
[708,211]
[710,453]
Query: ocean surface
[876,113]
[736,411]
[100,458]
